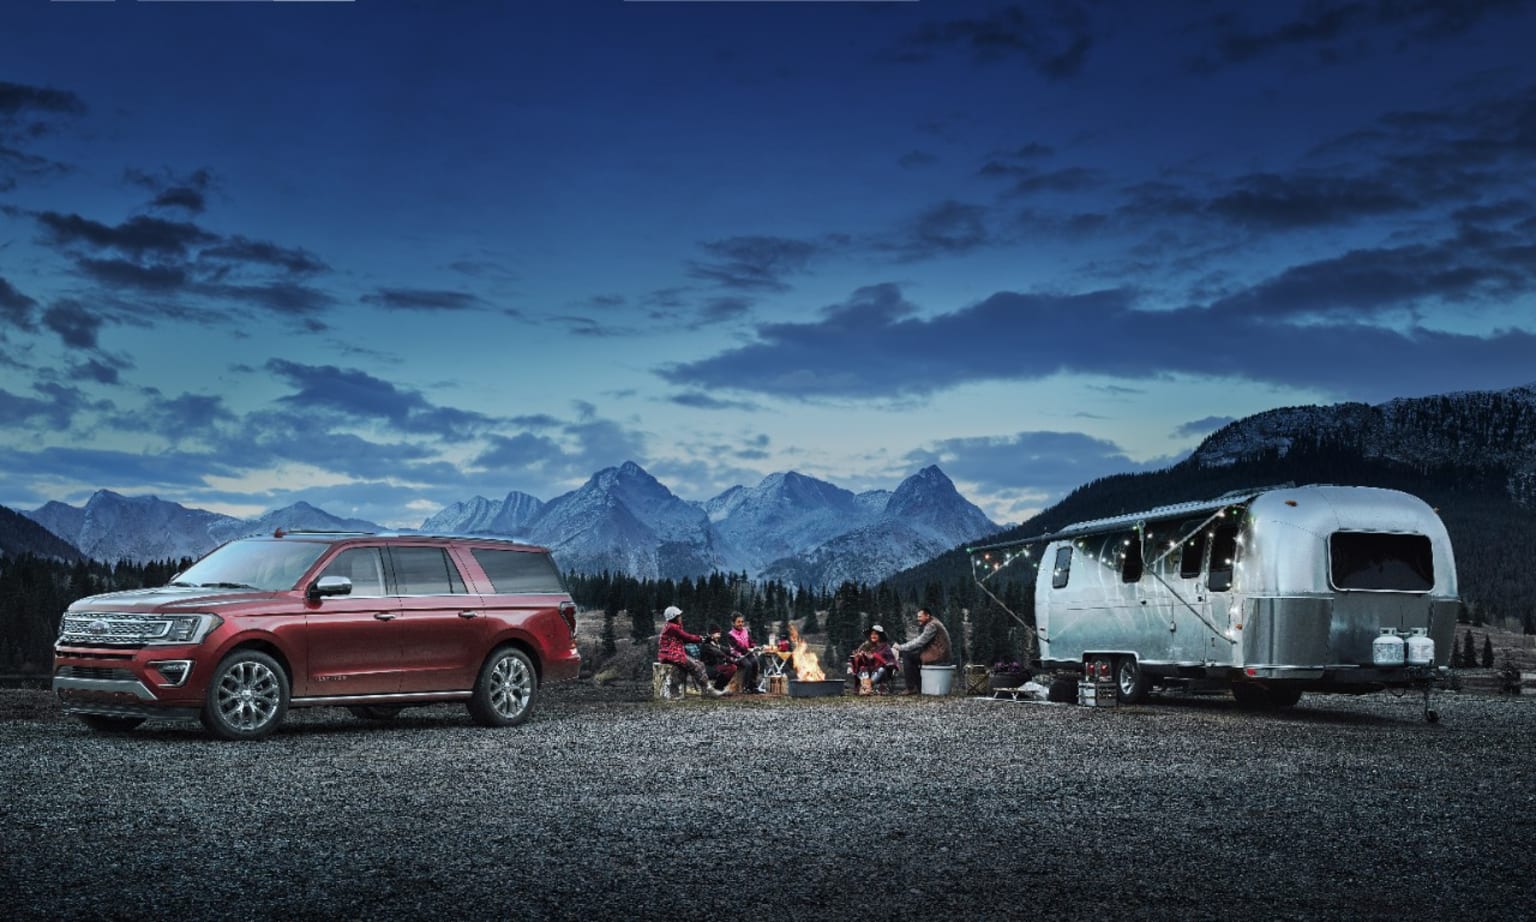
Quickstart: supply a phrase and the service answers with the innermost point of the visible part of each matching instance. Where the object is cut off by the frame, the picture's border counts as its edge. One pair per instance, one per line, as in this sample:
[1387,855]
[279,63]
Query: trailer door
[1221,568]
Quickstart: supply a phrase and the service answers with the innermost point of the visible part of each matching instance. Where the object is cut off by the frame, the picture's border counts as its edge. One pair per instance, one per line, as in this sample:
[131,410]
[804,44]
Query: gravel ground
[607,805]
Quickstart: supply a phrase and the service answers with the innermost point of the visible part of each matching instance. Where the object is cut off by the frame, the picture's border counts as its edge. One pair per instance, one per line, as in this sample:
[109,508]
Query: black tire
[103,724]
[506,689]
[1131,682]
[1062,690]
[247,697]
[375,711]
[1284,697]
[1252,696]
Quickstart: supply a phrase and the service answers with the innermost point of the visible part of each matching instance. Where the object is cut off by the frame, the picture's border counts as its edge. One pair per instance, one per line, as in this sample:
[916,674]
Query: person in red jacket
[670,650]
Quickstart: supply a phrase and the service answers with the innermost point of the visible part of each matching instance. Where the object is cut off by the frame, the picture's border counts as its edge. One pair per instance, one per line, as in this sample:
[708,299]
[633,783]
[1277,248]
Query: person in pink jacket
[739,643]
[670,650]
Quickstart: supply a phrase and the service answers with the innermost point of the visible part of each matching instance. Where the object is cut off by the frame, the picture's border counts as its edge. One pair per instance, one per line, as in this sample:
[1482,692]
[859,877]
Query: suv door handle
[386,615]
[469,614]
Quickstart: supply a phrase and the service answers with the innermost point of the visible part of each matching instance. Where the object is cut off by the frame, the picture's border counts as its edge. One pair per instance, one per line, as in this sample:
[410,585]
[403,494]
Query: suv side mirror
[330,585]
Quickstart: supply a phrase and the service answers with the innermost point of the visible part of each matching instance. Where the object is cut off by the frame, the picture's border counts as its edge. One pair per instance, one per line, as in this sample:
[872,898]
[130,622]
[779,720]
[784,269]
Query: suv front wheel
[505,690]
[247,697]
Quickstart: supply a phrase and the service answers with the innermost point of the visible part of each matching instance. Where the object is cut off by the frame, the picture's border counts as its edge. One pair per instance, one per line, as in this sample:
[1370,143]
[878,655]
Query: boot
[714,692]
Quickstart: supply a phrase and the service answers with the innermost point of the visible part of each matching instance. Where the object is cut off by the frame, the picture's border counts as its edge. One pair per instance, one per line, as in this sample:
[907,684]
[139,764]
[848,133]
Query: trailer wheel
[1131,683]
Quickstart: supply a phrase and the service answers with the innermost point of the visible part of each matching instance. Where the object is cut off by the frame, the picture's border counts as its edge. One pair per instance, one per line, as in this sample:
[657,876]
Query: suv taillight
[568,612]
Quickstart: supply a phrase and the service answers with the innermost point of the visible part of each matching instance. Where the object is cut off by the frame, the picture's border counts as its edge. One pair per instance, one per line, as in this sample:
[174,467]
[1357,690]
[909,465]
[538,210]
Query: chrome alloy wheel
[511,686]
[249,695]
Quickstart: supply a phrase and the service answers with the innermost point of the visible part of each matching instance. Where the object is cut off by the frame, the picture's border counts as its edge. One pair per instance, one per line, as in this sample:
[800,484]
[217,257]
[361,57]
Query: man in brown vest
[929,648]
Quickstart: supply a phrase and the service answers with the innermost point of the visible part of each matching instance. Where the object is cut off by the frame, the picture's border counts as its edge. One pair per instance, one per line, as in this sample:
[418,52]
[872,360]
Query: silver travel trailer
[1269,592]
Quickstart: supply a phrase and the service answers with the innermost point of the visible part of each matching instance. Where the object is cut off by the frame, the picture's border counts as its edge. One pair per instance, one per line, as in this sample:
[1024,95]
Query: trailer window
[1131,559]
[1384,563]
[1063,569]
[1193,553]
[1223,555]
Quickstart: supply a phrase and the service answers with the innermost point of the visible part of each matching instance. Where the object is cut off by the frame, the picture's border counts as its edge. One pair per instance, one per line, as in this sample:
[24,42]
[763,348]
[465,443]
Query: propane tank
[1388,648]
[1421,648]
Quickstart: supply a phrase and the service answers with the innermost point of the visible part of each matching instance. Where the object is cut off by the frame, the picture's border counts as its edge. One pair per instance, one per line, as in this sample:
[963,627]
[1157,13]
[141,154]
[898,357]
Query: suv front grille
[118,630]
[94,672]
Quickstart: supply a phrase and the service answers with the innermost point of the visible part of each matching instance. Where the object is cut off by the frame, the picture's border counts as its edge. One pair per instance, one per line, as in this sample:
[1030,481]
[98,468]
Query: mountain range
[789,526]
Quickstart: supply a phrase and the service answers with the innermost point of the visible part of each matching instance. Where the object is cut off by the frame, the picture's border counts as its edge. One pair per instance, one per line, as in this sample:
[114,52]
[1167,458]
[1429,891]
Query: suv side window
[425,571]
[512,572]
[364,566]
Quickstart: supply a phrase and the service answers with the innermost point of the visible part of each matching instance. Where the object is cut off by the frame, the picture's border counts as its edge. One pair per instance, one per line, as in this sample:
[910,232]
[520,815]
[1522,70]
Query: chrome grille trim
[116,629]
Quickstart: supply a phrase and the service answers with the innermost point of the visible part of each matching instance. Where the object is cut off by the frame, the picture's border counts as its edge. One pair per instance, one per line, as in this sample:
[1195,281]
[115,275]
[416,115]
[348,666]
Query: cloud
[108,468]
[187,193]
[294,260]
[16,309]
[1302,200]
[76,325]
[1050,462]
[423,299]
[56,406]
[98,370]
[1054,40]
[278,297]
[352,393]
[523,450]
[136,236]
[947,229]
[122,273]
[755,263]
[19,98]
[875,347]
[1367,282]
[697,400]
[568,454]
[1202,427]
[1336,27]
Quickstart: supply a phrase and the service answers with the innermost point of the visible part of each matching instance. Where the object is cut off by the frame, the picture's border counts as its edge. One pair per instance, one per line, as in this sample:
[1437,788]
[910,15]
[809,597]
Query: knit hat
[672,612]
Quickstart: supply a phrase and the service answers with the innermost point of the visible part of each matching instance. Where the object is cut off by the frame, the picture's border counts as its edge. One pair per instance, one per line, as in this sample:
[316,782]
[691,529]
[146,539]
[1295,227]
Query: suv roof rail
[331,533]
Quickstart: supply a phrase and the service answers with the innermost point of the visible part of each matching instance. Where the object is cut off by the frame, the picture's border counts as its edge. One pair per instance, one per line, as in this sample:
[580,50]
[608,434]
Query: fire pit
[827,688]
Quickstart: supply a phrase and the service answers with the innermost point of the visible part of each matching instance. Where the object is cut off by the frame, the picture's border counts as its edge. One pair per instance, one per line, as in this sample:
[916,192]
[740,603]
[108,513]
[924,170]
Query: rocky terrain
[609,805]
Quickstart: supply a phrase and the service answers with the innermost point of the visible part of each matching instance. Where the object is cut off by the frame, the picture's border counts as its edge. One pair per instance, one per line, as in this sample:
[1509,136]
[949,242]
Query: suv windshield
[254,563]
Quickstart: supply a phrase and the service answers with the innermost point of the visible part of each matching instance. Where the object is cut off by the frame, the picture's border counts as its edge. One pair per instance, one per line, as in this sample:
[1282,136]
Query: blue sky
[381,256]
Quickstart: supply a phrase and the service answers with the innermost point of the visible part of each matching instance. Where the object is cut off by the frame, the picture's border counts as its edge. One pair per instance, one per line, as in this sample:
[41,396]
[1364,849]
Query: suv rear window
[512,572]
[1385,563]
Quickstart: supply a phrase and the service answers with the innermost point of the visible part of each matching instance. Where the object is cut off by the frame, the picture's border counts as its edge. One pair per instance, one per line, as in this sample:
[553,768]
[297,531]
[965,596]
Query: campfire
[807,665]
[810,681]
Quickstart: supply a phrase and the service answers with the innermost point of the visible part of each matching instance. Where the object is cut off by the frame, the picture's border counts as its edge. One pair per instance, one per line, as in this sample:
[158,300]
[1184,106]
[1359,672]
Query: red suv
[373,623]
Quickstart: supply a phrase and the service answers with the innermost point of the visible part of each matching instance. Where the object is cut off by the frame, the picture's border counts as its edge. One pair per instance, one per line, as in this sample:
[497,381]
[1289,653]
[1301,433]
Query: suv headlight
[188,628]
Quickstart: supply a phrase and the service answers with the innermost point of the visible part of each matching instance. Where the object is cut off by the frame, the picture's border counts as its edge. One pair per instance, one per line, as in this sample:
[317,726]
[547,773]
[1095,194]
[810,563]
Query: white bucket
[937,680]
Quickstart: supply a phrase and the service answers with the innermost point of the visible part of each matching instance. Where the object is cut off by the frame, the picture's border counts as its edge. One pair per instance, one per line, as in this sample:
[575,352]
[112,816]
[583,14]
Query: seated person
[929,648]
[718,663]
[873,660]
[738,643]
[669,649]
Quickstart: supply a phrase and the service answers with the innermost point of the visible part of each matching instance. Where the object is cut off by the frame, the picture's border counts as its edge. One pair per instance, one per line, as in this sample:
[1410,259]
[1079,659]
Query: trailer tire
[1131,682]
[1062,690]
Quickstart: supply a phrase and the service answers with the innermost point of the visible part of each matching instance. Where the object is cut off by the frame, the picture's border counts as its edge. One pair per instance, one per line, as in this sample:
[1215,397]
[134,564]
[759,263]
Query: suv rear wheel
[505,691]
[247,697]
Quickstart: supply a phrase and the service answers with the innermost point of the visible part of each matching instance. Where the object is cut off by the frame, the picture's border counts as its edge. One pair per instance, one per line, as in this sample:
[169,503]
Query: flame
[807,668]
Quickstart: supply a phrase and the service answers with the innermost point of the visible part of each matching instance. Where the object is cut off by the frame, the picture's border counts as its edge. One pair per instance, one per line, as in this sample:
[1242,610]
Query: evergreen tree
[1487,652]
[609,641]
[642,624]
[1468,653]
